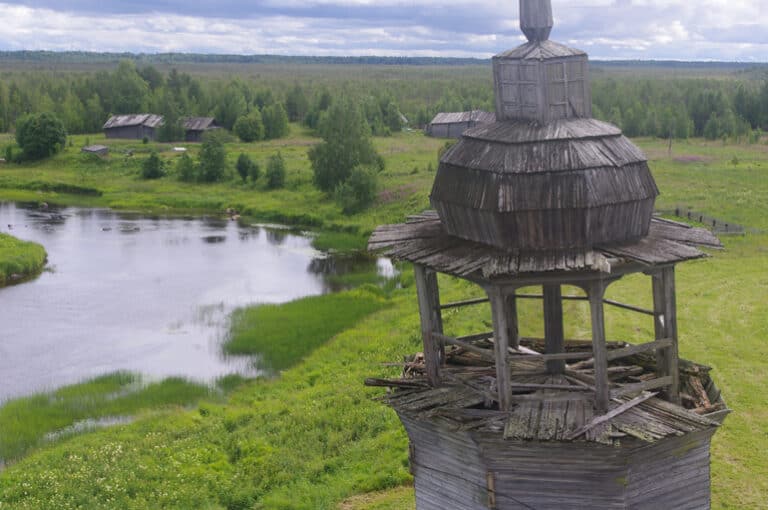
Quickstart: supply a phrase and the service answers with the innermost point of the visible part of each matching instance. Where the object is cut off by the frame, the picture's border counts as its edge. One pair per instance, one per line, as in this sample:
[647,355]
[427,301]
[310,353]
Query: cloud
[637,29]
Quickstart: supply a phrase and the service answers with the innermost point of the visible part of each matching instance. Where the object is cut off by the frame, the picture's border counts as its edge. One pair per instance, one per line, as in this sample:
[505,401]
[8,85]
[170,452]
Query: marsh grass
[19,259]
[281,335]
[26,422]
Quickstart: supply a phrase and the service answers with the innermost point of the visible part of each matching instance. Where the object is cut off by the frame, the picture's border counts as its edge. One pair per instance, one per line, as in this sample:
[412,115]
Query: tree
[276,171]
[246,167]
[40,135]
[296,104]
[275,121]
[358,191]
[249,128]
[152,167]
[231,104]
[186,169]
[346,144]
[212,159]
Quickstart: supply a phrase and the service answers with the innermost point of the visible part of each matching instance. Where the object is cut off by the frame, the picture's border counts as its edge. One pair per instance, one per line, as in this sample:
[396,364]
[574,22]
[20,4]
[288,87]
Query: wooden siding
[456,469]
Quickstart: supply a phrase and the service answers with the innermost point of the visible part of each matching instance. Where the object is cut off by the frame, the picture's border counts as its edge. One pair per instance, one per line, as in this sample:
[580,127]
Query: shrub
[40,135]
[246,167]
[275,121]
[276,171]
[186,169]
[358,192]
[152,167]
[249,128]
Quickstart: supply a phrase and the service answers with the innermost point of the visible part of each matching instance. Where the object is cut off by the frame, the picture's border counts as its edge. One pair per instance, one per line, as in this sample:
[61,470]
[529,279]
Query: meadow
[19,260]
[315,437]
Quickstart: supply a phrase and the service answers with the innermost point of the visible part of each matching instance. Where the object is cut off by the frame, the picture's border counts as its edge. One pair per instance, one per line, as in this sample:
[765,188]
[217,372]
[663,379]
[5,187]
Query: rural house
[133,126]
[453,124]
[195,127]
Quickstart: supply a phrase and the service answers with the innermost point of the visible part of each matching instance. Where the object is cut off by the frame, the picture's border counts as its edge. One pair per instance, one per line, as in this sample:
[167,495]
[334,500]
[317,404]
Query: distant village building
[99,150]
[453,124]
[134,126]
[196,127]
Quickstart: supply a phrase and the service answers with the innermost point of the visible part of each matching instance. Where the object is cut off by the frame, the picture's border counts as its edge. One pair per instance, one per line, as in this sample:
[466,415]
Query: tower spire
[536,19]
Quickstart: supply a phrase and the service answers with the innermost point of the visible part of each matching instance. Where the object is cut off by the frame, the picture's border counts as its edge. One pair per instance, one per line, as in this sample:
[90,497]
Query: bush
[40,135]
[276,171]
[358,192]
[249,128]
[152,167]
[246,167]
[186,169]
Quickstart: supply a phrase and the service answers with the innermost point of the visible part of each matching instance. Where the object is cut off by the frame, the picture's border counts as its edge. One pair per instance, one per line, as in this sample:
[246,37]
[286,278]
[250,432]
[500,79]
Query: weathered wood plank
[610,415]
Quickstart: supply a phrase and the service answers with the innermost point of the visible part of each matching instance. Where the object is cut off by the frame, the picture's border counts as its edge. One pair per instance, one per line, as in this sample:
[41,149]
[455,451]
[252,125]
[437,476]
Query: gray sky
[606,29]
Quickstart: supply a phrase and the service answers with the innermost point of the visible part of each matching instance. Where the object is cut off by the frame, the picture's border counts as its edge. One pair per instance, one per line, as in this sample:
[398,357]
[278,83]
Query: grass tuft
[19,259]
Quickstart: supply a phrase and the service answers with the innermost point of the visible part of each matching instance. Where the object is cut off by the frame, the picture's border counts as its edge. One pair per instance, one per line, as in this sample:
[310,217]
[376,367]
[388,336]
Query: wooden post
[665,326]
[501,345]
[596,291]
[513,328]
[431,321]
[554,337]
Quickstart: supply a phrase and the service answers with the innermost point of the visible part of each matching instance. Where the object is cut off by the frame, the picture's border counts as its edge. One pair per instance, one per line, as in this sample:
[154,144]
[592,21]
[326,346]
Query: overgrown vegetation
[40,135]
[281,335]
[19,259]
[32,421]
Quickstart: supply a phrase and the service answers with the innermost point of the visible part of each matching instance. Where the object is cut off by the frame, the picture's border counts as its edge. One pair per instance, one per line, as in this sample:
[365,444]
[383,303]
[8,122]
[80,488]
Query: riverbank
[73,178]
[316,436]
[19,259]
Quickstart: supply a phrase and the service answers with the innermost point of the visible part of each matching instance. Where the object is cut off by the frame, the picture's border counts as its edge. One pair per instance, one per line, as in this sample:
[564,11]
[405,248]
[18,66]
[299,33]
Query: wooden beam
[636,349]
[609,416]
[554,337]
[652,384]
[665,325]
[468,302]
[431,321]
[625,306]
[596,291]
[499,309]
[565,356]
[485,354]
[513,328]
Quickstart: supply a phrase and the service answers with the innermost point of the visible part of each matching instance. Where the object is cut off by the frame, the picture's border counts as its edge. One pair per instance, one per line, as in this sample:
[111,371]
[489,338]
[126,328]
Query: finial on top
[536,19]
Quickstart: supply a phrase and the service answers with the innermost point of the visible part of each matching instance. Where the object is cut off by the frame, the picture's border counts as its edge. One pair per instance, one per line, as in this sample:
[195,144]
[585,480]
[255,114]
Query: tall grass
[25,422]
[281,335]
[19,259]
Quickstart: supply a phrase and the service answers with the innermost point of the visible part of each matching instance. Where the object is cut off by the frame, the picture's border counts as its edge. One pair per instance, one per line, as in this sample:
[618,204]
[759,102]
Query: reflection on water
[147,294]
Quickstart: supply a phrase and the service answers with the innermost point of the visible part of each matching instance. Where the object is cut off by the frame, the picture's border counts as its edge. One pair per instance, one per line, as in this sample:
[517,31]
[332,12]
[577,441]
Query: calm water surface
[150,295]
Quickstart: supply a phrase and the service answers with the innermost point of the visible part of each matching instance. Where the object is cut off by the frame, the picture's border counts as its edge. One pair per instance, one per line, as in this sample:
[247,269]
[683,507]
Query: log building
[543,198]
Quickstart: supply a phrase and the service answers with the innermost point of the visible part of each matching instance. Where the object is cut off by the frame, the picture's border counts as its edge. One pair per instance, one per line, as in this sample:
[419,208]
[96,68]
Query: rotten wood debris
[559,407]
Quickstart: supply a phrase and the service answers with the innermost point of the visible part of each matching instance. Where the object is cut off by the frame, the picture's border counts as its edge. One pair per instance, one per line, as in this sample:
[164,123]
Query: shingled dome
[546,176]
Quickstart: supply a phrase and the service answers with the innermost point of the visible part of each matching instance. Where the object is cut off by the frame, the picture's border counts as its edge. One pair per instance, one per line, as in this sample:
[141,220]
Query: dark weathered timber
[665,325]
[501,345]
[636,349]
[426,242]
[599,351]
[553,327]
[431,320]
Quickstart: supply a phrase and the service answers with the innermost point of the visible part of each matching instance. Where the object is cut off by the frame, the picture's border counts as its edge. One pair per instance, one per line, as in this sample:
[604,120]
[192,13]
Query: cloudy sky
[608,29]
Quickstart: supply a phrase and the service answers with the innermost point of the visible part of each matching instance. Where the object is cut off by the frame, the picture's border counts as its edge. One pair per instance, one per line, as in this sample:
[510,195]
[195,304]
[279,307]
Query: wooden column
[501,328]
[431,321]
[596,291]
[665,326]
[553,327]
[512,327]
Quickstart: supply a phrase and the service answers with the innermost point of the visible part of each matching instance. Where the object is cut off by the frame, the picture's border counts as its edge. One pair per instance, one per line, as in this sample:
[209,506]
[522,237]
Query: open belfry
[543,198]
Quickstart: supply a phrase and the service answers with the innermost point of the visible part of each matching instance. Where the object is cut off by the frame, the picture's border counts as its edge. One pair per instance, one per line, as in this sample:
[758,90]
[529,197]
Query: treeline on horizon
[727,101]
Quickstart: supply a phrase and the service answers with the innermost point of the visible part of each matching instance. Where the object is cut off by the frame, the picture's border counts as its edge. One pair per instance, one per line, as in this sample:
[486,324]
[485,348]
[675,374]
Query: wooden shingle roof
[423,240]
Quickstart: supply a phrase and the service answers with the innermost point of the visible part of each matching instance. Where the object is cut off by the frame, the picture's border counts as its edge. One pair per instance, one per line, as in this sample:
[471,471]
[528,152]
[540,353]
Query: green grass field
[19,259]
[316,438]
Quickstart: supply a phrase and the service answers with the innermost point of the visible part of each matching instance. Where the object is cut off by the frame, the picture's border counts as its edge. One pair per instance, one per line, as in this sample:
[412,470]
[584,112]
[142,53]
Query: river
[145,294]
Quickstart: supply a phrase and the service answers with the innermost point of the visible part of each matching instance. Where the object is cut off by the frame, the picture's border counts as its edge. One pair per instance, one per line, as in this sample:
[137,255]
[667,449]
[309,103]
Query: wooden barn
[453,124]
[196,127]
[134,126]
[549,205]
